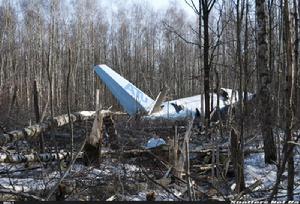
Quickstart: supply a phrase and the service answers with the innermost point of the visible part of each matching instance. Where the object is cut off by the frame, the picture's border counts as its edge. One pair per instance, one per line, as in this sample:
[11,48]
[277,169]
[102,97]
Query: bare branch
[193,6]
[210,5]
[171,29]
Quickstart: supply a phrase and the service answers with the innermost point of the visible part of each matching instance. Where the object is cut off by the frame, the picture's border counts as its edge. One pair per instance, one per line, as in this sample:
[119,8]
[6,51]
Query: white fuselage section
[187,107]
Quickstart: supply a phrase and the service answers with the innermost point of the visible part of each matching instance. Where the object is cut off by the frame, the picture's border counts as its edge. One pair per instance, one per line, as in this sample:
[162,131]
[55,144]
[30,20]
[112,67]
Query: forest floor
[138,176]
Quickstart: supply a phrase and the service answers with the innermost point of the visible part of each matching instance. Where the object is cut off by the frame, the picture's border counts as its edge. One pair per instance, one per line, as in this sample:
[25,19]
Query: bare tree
[240,9]
[290,95]
[288,156]
[207,5]
[264,83]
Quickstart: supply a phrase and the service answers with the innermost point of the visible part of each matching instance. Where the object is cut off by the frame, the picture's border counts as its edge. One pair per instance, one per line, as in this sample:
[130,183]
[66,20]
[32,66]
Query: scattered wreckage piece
[31,132]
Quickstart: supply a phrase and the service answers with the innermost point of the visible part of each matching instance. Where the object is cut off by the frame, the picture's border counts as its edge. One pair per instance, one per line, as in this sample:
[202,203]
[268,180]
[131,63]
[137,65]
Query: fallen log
[105,152]
[27,196]
[31,132]
[48,157]
[44,157]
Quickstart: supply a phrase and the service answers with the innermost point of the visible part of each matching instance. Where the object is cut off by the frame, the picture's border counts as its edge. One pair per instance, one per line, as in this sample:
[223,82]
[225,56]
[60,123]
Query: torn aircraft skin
[134,101]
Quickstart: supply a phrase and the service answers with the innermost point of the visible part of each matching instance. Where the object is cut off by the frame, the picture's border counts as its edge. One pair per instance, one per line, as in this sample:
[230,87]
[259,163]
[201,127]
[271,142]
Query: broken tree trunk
[33,131]
[182,159]
[103,124]
[37,113]
[174,147]
[111,131]
[93,143]
[237,161]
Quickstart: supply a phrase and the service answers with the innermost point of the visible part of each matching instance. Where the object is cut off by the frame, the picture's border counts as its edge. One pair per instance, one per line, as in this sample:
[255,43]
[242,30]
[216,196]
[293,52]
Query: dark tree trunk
[206,63]
[206,8]
[37,113]
[237,161]
[264,84]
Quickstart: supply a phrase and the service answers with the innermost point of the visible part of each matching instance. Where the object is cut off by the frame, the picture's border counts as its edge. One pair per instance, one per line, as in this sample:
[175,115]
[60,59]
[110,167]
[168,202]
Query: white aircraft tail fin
[132,99]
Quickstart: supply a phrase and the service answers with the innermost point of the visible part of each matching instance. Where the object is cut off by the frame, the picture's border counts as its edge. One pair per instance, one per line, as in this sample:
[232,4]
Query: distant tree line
[142,44]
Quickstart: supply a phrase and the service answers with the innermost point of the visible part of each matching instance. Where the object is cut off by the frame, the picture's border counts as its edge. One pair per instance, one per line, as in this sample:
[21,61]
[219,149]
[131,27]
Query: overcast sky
[157,4]
[111,5]
[165,3]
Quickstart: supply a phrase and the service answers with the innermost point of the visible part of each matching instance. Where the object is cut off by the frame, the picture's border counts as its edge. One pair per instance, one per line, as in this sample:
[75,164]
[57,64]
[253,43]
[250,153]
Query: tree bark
[240,139]
[37,113]
[68,103]
[288,155]
[265,101]
[237,159]
[206,62]
[290,79]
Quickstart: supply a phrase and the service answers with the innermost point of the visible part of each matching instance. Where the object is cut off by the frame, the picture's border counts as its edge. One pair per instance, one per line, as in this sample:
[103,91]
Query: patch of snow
[256,169]
[105,169]
[87,113]
[160,196]
[54,174]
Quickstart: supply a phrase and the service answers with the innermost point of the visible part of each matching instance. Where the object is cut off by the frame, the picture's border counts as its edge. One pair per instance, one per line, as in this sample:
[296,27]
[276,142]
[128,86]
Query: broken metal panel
[159,100]
[155,142]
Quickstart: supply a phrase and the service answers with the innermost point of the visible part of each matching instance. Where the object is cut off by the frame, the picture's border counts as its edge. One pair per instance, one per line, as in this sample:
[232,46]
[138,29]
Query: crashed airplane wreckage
[108,139]
[134,101]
